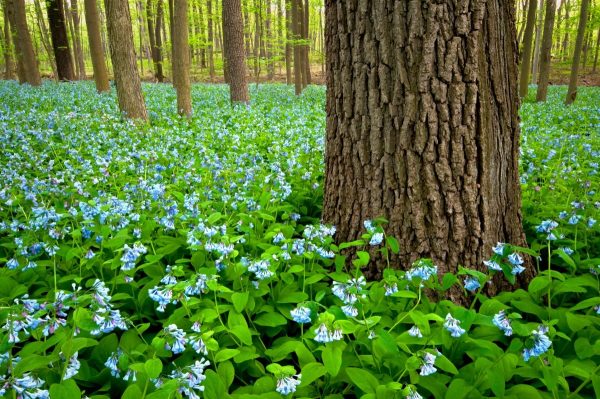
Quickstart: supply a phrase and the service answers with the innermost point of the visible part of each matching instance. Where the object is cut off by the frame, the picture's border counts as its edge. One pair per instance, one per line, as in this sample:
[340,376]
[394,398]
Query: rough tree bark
[288,46]
[423,128]
[233,37]
[597,50]
[27,61]
[181,58]
[306,78]
[9,9]
[154,27]
[546,55]
[538,43]
[9,63]
[92,20]
[60,40]
[44,35]
[296,27]
[122,54]
[572,92]
[527,49]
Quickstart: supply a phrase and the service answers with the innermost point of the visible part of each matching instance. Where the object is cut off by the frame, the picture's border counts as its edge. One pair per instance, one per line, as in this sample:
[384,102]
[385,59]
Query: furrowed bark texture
[122,54]
[181,58]
[422,126]
[27,60]
[572,91]
[235,54]
[546,55]
[527,49]
[60,40]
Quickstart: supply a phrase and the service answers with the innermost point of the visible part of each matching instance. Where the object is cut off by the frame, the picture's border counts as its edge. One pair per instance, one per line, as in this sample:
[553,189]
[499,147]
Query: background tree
[155,20]
[421,135]
[546,55]
[60,40]
[527,48]
[181,58]
[538,43]
[7,48]
[122,54]
[73,13]
[233,38]
[97,54]
[45,36]
[27,67]
[572,91]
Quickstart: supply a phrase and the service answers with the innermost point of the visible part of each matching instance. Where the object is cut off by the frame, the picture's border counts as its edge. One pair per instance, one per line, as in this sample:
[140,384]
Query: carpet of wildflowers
[186,259]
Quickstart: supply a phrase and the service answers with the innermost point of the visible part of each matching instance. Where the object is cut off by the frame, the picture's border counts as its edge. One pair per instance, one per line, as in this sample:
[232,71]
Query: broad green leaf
[153,367]
[363,379]
[311,372]
[67,389]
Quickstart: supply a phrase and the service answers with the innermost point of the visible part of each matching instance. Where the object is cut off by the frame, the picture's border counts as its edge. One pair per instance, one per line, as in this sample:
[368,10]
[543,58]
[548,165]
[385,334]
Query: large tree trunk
[92,20]
[527,49]
[572,92]
[157,54]
[122,54]
[79,60]
[546,55]
[422,127]
[27,61]
[9,9]
[181,58]
[233,32]
[211,57]
[60,40]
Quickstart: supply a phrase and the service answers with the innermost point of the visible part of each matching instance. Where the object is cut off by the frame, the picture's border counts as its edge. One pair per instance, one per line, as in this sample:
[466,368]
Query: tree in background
[546,55]
[181,58]
[27,67]
[155,20]
[122,54]
[7,48]
[421,135]
[233,40]
[583,14]
[97,54]
[60,40]
[527,48]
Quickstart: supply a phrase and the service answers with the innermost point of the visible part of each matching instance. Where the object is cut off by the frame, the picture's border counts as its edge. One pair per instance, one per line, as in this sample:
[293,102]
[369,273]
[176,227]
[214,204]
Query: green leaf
[363,259]
[240,299]
[242,333]
[443,363]
[132,392]
[392,242]
[458,389]
[577,322]
[67,389]
[270,319]
[362,379]
[153,367]
[538,284]
[290,296]
[523,391]
[332,358]
[226,373]
[225,354]
[311,372]
[33,362]
[497,383]
[356,243]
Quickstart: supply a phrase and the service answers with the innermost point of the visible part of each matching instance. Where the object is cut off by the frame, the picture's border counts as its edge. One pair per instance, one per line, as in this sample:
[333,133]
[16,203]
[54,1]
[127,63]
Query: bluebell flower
[369,225]
[130,375]
[563,215]
[261,269]
[73,367]
[574,219]
[176,339]
[499,248]
[415,332]
[503,323]
[567,250]
[591,222]
[492,265]
[350,310]
[287,385]
[12,264]
[390,289]
[421,269]
[29,387]
[427,367]
[546,226]
[376,239]
[190,379]
[453,326]
[112,363]
[413,394]
[472,284]
[541,344]
[301,314]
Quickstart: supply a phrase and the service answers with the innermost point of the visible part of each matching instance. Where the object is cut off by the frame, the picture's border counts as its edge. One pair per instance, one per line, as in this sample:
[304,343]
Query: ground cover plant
[186,259]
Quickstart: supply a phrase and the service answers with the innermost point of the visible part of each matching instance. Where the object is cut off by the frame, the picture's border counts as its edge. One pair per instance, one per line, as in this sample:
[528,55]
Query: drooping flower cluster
[453,326]
[300,314]
[546,227]
[349,293]
[423,269]
[190,378]
[503,323]
[287,385]
[104,315]
[427,367]
[539,344]
[323,334]
[131,255]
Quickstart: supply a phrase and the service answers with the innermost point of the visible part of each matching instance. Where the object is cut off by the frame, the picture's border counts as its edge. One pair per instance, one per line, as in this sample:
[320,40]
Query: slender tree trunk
[60,40]
[211,57]
[92,21]
[181,58]
[233,31]
[9,8]
[565,44]
[25,51]
[572,92]
[9,63]
[140,18]
[521,17]
[538,43]
[269,42]
[527,47]
[201,33]
[80,62]
[306,47]
[546,55]
[429,142]
[586,46]
[288,46]
[158,43]
[122,53]
[596,51]
[296,14]
[256,40]
[44,36]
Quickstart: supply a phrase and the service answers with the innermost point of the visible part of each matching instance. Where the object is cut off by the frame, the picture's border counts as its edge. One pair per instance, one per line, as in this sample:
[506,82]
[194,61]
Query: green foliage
[183,257]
